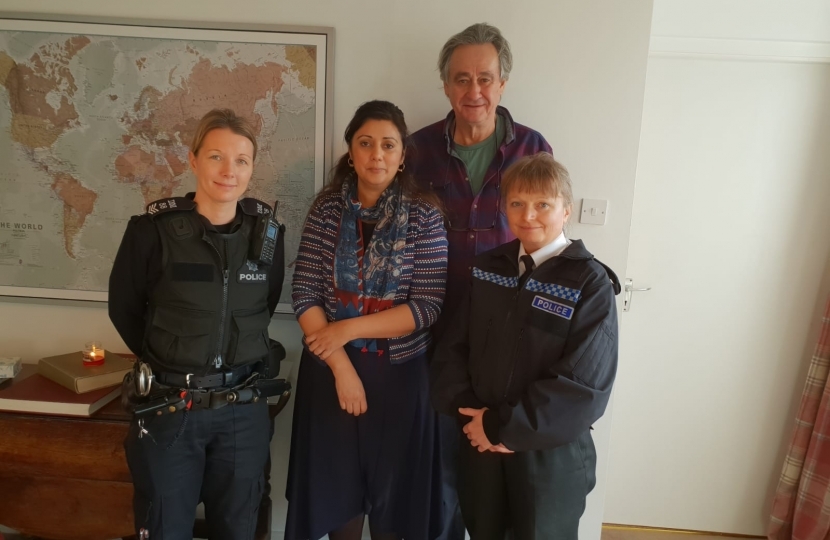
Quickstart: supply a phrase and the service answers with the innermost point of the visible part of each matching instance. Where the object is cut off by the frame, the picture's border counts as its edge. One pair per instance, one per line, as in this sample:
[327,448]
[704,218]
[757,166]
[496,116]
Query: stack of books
[9,367]
[63,385]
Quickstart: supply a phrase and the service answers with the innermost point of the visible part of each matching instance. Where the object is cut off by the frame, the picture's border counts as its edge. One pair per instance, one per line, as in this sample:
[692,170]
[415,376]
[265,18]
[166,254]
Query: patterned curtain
[801,509]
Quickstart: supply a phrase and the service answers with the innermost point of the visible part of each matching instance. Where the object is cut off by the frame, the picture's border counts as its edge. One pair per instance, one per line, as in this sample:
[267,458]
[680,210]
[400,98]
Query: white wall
[770,20]
[578,78]
[733,196]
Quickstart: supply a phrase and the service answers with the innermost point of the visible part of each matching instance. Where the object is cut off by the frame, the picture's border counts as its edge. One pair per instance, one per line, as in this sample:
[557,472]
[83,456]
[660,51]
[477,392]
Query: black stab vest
[210,308]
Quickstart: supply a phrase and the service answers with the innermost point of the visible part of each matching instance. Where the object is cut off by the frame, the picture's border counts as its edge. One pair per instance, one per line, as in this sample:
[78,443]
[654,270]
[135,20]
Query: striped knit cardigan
[423,272]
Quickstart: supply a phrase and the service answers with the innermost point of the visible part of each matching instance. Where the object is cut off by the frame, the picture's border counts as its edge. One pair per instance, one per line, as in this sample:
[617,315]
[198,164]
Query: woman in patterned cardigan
[369,281]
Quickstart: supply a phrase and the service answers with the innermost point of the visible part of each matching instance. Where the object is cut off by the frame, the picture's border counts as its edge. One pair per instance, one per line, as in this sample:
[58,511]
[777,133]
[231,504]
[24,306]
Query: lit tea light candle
[93,354]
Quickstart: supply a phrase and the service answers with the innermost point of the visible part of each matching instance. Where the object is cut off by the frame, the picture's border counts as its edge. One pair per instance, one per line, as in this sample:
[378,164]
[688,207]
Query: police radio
[266,234]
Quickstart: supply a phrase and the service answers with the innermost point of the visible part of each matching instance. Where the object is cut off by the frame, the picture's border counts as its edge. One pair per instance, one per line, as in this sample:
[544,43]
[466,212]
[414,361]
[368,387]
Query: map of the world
[95,127]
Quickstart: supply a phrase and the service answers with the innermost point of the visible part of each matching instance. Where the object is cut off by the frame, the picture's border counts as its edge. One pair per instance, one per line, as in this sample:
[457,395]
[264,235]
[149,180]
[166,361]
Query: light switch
[594,211]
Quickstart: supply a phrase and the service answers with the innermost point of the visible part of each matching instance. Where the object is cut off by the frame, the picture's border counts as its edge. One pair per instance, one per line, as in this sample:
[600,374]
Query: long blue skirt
[384,463]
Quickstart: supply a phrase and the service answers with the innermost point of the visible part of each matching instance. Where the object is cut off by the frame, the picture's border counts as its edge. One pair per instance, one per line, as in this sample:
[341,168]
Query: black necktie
[529,264]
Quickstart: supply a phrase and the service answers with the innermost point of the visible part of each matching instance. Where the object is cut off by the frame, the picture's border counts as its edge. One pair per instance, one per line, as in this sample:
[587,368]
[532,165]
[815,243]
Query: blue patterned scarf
[366,274]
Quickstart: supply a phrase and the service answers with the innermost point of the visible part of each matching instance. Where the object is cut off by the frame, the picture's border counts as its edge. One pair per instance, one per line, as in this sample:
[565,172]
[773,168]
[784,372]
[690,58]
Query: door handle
[629,288]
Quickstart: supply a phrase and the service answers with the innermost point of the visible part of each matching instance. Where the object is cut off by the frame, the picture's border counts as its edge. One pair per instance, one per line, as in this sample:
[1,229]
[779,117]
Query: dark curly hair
[343,172]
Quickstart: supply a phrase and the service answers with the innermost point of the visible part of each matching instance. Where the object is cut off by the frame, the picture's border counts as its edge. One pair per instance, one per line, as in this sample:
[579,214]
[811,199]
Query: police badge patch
[171,204]
[251,273]
[555,308]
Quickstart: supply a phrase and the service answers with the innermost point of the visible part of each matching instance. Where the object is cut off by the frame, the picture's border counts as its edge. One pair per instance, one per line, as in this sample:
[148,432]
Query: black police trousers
[215,456]
[453,527]
[534,495]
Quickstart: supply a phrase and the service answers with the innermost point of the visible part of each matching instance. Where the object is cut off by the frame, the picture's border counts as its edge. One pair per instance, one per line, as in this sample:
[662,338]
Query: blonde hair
[539,173]
[223,119]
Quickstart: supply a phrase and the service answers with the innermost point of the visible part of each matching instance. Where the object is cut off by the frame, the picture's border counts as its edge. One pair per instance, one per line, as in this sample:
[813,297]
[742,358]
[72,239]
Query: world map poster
[96,121]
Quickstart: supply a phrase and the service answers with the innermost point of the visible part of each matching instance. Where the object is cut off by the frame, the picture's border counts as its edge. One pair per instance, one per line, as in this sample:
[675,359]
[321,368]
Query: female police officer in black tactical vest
[187,298]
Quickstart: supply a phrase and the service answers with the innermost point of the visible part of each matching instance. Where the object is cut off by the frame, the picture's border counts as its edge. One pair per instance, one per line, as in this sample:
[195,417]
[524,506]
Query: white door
[731,230]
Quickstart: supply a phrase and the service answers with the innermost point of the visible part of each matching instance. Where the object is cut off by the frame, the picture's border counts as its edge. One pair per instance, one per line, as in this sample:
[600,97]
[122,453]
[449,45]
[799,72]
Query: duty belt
[172,400]
[224,378]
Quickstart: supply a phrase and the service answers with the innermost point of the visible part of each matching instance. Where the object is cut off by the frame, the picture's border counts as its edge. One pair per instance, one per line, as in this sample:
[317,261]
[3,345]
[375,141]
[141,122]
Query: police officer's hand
[350,390]
[329,338]
[500,449]
[475,428]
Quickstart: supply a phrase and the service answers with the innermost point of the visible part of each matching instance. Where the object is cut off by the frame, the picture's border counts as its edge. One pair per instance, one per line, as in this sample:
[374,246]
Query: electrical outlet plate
[594,211]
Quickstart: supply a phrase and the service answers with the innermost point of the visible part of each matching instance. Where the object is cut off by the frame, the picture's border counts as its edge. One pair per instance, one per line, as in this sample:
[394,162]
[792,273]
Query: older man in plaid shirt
[462,159]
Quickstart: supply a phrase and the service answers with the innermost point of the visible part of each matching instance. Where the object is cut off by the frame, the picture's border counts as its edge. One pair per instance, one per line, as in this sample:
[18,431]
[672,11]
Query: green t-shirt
[477,158]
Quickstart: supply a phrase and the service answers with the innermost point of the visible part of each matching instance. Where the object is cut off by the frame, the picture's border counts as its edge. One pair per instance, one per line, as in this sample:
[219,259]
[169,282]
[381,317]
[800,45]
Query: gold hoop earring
[351,163]
[402,167]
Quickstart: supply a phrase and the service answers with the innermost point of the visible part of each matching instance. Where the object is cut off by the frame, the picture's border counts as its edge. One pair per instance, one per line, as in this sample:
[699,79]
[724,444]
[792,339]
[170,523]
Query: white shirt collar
[545,252]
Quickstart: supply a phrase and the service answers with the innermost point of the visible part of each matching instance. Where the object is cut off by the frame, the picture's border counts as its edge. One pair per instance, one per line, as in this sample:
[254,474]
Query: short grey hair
[477,34]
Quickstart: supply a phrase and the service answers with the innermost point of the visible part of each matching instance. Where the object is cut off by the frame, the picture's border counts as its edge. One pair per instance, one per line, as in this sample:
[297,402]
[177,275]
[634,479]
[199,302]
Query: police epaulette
[171,204]
[254,207]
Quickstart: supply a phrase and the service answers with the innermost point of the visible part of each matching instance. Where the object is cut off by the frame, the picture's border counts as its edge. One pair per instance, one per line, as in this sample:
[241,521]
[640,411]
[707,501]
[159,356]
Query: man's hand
[475,429]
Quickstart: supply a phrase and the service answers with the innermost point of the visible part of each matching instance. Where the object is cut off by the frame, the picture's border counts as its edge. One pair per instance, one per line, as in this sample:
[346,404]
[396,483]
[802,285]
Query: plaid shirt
[475,223]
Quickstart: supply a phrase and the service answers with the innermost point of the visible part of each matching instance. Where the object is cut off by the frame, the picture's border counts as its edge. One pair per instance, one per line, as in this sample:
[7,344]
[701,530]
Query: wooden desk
[66,478]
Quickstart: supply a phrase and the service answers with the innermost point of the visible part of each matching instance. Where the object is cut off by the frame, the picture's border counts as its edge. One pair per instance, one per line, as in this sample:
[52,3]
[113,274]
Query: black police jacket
[204,305]
[541,359]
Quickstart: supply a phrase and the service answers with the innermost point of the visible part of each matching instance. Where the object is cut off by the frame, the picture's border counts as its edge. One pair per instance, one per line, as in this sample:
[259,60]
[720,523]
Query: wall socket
[594,211]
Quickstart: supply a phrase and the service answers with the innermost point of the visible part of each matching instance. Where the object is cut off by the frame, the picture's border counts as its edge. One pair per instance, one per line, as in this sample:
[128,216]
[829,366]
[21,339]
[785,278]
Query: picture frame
[155,64]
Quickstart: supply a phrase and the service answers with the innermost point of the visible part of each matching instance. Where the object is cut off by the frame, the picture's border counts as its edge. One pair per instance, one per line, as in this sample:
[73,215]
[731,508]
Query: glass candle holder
[93,353]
